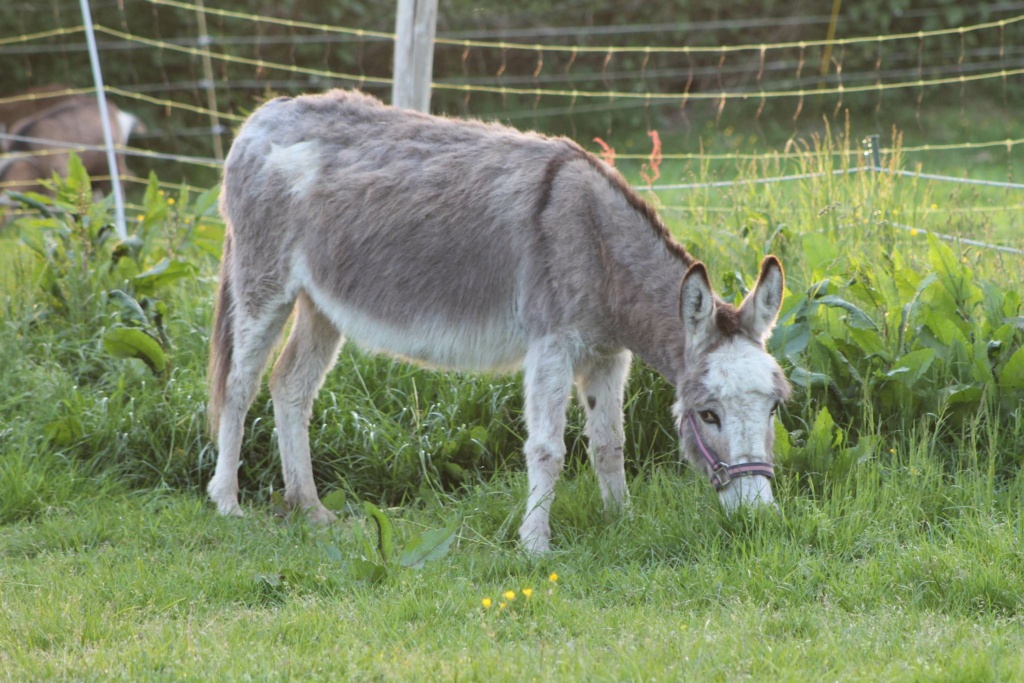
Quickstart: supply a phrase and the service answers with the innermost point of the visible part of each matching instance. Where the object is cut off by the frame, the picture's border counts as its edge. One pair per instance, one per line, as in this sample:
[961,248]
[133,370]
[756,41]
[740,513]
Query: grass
[871,586]
[905,564]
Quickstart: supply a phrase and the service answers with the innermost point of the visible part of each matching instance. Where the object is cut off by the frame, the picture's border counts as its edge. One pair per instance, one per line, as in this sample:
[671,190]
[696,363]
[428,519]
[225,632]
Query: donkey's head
[731,388]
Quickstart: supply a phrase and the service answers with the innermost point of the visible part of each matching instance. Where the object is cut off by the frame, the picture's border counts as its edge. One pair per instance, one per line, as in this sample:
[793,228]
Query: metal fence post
[415,26]
[108,137]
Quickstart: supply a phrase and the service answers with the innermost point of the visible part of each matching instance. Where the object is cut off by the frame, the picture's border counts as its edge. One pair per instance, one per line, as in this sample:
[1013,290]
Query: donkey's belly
[495,343]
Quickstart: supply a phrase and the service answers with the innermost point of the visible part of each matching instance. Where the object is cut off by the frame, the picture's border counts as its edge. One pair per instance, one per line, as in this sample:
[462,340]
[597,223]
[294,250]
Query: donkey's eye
[710,417]
[774,410]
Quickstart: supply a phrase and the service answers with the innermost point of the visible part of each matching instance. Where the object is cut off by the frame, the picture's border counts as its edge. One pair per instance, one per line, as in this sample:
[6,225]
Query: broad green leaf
[130,246]
[77,180]
[1012,374]
[821,433]
[944,328]
[363,569]
[162,273]
[206,202]
[429,546]
[857,318]
[454,471]
[385,532]
[789,341]
[911,307]
[912,366]
[271,581]
[335,500]
[33,200]
[333,553]
[870,342]
[278,506]
[960,394]
[782,443]
[131,342]
[129,305]
[958,276]
[819,250]
[65,431]
[479,436]
[805,378]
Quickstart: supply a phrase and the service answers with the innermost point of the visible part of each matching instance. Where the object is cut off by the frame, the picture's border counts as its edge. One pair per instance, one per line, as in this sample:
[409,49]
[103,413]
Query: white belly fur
[497,344]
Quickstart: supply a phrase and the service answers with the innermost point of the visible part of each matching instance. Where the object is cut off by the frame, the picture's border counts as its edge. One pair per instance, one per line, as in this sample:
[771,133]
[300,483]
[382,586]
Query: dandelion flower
[892,451]
[913,232]
[553,578]
[170,200]
[509,595]
[934,206]
[140,217]
[501,605]
[528,592]
[486,602]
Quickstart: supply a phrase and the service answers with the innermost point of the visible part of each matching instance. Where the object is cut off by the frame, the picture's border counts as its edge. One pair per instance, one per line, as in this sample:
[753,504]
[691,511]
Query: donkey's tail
[222,341]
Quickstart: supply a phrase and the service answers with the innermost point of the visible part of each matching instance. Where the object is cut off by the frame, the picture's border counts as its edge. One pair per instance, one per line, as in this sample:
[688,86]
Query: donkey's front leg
[601,384]
[548,380]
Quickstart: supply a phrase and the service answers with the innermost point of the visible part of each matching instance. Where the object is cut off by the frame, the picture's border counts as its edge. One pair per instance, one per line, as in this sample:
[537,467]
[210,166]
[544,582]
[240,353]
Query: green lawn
[155,586]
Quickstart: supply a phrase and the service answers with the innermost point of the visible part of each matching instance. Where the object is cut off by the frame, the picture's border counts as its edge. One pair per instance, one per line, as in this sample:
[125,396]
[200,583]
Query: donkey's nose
[753,491]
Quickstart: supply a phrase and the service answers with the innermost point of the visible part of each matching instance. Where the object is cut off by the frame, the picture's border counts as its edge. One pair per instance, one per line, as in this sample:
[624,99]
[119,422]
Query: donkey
[31,101]
[467,245]
[72,122]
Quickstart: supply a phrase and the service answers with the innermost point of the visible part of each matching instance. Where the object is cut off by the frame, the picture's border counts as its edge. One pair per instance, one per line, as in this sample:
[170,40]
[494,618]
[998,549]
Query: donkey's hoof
[230,509]
[319,515]
[535,540]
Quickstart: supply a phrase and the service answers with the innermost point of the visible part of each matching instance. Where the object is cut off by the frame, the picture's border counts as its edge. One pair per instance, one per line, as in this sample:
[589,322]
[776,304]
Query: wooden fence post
[415,26]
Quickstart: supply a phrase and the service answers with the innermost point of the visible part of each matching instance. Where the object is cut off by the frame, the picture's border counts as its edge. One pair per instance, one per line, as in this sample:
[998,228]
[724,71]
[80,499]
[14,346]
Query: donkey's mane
[640,206]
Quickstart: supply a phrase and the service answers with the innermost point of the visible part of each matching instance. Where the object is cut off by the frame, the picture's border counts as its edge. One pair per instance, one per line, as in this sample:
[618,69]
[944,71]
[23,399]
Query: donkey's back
[413,234]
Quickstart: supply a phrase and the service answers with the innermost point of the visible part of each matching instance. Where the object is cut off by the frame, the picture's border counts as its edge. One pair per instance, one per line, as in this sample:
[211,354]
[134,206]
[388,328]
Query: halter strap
[723,473]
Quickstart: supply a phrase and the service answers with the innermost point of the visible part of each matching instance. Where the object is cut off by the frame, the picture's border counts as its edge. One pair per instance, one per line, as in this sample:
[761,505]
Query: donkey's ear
[760,308]
[696,302]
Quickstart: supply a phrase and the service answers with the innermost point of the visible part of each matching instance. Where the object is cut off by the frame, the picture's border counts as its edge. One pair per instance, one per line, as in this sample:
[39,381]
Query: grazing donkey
[468,245]
[70,123]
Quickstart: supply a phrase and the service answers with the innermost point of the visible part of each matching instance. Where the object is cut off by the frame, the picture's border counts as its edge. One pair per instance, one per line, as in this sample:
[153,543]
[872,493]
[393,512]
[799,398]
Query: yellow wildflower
[553,578]
[528,592]
[140,217]
[913,232]
[486,602]
[509,595]
[934,206]
[501,605]
[170,200]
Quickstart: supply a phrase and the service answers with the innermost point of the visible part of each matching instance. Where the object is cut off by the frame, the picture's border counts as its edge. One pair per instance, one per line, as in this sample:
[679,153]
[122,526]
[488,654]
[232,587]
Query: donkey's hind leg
[548,379]
[254,338]
[601,385]
[310,352]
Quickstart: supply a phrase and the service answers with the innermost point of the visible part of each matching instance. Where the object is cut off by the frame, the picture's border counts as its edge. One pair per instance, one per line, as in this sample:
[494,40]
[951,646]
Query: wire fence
[533,74]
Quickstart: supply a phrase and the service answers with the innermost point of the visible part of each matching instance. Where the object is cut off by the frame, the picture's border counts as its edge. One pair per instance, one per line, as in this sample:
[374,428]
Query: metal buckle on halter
[720,477]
